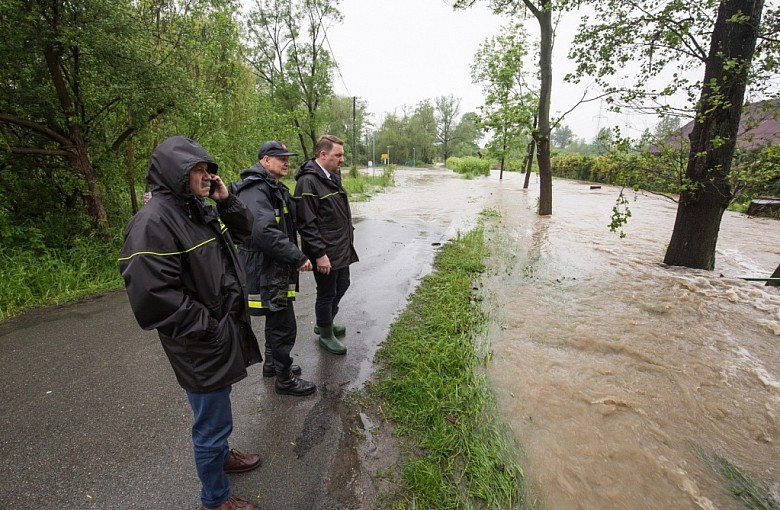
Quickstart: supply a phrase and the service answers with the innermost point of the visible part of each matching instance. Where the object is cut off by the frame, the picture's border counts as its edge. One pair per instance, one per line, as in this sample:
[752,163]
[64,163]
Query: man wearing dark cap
[184,279]
[272,261]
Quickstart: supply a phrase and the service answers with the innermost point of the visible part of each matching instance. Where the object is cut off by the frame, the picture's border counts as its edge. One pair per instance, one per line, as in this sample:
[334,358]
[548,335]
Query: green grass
[32,279]
[37,278]
[434,392]
[752,493]
[361,187]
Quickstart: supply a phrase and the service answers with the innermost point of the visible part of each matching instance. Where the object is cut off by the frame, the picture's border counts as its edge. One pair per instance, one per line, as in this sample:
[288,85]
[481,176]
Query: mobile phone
[213,187]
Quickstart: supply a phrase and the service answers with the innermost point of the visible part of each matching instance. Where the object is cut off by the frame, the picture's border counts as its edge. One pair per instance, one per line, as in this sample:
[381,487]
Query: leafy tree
[391,134]
[510,102]
[70,70]
[422,132]
[681,36]
[666,126]
[447,110]
[286,50]
[562,136]
[466,135]
[542,10]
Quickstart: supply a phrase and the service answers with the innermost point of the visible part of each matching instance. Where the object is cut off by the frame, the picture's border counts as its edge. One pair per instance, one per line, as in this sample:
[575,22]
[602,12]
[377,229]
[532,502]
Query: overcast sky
[396,53]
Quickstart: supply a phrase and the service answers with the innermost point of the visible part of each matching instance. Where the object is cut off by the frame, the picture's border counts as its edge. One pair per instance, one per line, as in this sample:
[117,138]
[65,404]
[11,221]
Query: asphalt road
[92,416]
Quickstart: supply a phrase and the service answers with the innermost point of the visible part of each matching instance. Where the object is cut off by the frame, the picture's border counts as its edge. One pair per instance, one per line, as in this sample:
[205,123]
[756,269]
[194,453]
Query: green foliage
[573,166]
[435,394]
[620,214]
[361,187]
[286,50]
[411,137]
[469,166]
[510,102]
[754,173]
[35,278]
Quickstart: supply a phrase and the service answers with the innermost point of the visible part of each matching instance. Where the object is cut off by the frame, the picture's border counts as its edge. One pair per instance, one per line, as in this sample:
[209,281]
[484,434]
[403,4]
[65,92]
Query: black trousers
[280,332]
[330,289]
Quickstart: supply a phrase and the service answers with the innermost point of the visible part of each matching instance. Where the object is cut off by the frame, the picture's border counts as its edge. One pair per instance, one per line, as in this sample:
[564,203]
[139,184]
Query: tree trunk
[529,159]
[529,162]
[131,174]
[79,158]
[544,17]
[714,135]
[93,197]
[503,155]
[776,274]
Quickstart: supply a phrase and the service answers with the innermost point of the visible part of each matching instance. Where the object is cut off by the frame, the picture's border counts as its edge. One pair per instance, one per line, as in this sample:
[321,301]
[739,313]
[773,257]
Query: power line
[325,32]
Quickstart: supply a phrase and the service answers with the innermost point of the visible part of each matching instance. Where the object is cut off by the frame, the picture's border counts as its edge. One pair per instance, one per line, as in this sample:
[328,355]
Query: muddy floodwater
[621,378]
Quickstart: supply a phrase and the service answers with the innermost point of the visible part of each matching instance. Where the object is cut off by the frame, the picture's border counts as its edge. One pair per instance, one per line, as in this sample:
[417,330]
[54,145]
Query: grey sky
[396,53]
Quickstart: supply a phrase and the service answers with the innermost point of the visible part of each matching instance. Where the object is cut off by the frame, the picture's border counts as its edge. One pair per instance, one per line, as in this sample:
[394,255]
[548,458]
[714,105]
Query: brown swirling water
[621,378]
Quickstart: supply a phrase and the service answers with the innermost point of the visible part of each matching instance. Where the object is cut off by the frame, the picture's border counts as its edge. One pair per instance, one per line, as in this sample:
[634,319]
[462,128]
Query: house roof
[758,127]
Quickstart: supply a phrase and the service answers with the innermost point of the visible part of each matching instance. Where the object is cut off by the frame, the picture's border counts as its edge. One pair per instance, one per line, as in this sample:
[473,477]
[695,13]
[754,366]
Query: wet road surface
[92,416]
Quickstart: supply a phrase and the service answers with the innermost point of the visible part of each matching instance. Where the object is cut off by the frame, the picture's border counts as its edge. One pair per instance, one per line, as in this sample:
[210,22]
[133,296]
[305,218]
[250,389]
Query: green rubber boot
[329,342]
[338,330]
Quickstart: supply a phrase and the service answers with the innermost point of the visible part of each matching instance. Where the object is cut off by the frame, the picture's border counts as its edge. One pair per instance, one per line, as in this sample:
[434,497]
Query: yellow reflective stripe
[254,299]
[168,254]
[323,197]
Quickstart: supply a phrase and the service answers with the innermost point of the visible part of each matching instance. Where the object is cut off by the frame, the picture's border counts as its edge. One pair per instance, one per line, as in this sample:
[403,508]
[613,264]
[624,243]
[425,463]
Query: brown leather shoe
[241,462]
[233,503]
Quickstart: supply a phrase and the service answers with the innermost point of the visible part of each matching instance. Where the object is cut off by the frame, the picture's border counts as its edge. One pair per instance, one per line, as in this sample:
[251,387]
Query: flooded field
[625,381]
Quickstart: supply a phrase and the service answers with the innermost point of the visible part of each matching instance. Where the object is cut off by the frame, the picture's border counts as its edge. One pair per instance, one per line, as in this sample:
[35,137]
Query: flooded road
[622,379]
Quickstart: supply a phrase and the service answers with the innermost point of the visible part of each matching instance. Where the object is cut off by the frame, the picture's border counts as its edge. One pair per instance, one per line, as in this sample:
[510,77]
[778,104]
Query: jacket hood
[171,162]
[308,167]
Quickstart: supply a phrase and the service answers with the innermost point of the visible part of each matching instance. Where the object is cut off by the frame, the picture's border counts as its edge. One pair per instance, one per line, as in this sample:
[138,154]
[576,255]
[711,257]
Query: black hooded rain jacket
[324,217]
[183,276]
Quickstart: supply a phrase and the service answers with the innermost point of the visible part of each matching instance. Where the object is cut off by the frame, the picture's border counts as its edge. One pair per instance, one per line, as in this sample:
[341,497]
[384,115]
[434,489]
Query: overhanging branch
[34,126]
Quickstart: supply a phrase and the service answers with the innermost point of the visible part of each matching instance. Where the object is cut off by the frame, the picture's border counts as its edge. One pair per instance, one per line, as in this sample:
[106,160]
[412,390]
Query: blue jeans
[330,289]
[212,424]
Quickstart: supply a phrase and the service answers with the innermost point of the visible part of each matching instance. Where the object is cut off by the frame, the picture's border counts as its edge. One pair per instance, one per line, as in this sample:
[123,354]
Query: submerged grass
[434,393]
[361,187]
[753,494]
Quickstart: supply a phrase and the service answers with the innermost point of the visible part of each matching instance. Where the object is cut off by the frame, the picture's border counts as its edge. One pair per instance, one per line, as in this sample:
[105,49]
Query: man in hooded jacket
[272,261]
[184,279]
[327,234]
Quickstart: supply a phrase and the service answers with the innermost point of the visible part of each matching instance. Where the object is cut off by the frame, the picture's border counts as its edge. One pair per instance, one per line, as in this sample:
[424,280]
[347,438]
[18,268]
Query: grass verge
[32,279]
[433,391]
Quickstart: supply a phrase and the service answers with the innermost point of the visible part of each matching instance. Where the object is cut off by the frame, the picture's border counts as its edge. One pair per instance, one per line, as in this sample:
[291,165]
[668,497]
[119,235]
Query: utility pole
[354,130]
